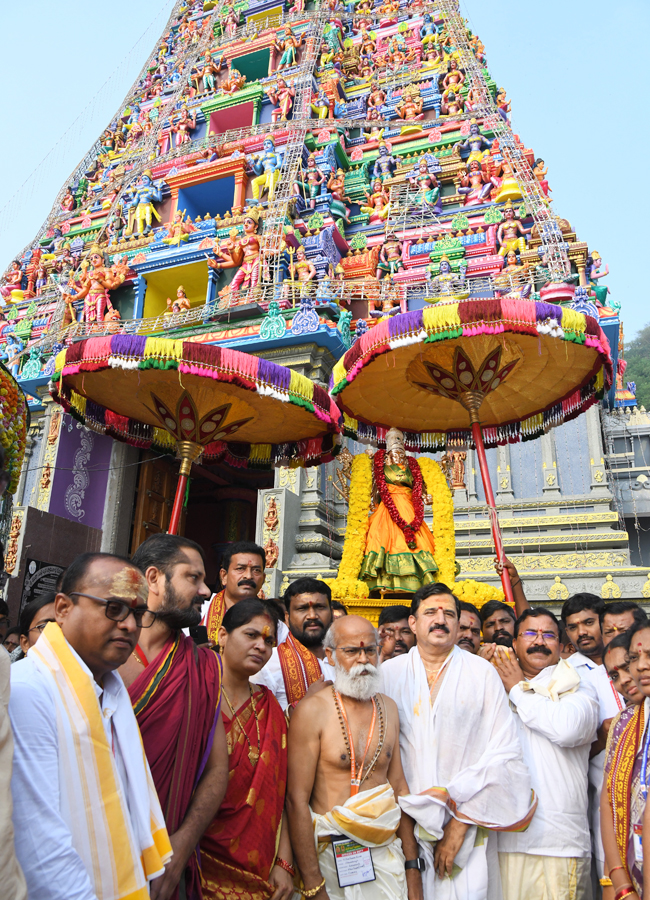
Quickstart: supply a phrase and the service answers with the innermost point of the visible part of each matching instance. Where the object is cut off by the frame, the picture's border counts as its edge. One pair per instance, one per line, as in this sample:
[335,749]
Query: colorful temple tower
[282,176]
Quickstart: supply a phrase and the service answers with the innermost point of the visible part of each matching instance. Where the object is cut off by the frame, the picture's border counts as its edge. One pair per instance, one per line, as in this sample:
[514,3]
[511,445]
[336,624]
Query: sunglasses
[119,610]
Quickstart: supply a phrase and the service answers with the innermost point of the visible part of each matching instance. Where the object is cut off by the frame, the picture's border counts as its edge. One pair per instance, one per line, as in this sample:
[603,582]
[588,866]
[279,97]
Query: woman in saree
[623,800]
[246,853]
[399,546]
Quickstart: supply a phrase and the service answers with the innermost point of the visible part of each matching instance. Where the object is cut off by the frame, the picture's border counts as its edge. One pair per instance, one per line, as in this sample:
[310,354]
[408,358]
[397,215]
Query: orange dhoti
[388,562]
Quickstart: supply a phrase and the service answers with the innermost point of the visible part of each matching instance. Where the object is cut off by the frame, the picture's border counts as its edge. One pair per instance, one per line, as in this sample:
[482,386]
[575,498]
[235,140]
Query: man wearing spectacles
[556,713]
[180,722]
[345,766]
[87,819]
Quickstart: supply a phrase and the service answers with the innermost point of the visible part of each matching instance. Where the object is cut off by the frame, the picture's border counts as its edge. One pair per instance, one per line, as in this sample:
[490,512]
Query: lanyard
[644,763]
[355,776]
[616,694]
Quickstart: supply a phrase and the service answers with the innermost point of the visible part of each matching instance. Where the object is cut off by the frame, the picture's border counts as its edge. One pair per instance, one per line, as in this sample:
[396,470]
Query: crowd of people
[168,742]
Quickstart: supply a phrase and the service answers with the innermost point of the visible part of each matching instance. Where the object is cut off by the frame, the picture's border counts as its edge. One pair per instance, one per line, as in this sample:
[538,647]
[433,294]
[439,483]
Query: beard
[309,639]
[174,615]
[353,683]
[502,639]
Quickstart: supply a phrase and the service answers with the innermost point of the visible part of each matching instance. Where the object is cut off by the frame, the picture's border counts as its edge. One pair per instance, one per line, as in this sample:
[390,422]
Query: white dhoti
[462,759]
[371,818]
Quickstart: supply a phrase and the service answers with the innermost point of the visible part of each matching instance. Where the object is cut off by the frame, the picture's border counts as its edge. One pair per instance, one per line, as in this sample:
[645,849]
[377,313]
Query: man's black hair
[492,606]
[15,629]
[618,607]
[390,614]
[432,590]
[580,602]
[164,552]
[336,604]
[76,572]
[30,609]
[469,607]
[306,586]
[242,547]
[4,608]
[534,613]
[621,641]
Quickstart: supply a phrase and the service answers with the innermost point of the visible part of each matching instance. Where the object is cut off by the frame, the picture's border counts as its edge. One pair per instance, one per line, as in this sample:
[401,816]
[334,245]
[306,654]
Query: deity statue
[320,105]
[378,202]
[508,186]
[540,174]
[445,283]
[396,55]
[475,142]
[180,305]
[336,187]
[13,279]
[454,78]
[310,182]
[141,208]
[41,279]
[230,21]
[458,458]
[410,109]
[474,184]
[282,95]
[179,229]
[243,252]
[428,31]
[266,166]
[116,226]
[301,273]
[68,203]
[511,233]
[432,57]
[595,273]
[451,103]
[390,257]
[512,280]
[399,551]
[387,12]
[376,133]
[427,186]
[503,104]
[289,48]
[11,353]
[182,128]
[235,82]
[385,162]
[95,283]
[376,97]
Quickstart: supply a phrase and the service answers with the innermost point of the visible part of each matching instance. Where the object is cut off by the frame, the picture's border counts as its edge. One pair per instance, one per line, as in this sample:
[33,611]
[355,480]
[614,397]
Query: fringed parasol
[204,400]
[527,366]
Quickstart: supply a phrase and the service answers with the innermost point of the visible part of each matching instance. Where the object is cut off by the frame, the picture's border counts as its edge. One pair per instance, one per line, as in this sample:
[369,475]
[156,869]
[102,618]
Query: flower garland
[13,426]
[477,592]
[346,586]
[444,536]
[409,528]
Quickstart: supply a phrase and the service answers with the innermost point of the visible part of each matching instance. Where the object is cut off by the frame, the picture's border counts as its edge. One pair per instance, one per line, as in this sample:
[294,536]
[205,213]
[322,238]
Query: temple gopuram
[284,177]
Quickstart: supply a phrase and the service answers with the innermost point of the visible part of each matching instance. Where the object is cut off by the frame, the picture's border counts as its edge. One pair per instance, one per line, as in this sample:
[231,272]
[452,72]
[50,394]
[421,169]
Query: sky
[574,71]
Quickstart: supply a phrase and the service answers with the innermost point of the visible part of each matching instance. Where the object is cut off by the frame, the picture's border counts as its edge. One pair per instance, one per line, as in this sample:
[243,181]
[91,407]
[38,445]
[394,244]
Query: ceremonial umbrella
[525,365]
[204,400]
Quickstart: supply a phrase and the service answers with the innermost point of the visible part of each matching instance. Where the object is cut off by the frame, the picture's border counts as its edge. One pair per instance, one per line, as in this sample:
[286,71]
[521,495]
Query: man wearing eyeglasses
[556,713]
[87,818]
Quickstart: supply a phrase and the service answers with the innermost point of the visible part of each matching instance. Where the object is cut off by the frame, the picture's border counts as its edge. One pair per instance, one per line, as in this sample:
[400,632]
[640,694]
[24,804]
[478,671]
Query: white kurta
[610,704]
[461,757]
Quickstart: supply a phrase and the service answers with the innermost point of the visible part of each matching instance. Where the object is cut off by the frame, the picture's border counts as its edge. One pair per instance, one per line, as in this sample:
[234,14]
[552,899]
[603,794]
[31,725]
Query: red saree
[176,702]
[239,848]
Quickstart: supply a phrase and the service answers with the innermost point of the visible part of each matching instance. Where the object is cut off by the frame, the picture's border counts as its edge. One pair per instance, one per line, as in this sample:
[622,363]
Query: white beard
[354,683]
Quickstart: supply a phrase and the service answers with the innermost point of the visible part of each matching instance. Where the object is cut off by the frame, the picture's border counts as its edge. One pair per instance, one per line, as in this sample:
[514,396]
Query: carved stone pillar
[504,479]
[118,505]
[599,486]
[550,474]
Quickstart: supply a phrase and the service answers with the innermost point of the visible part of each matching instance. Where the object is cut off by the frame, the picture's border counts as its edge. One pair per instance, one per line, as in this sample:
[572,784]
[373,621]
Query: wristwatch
[415,864]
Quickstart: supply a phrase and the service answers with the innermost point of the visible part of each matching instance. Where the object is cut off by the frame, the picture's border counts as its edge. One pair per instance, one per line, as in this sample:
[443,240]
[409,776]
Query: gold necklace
[253,754]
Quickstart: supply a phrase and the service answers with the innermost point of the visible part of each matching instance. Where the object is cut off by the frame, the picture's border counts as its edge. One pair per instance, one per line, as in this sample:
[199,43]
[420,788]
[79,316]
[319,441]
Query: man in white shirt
[556,715]
[582,615]
[461,755]
[299,661]
[87,819]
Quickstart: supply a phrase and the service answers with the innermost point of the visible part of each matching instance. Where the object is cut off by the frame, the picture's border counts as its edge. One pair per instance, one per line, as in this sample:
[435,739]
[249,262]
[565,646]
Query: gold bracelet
[606,882]
[313,891]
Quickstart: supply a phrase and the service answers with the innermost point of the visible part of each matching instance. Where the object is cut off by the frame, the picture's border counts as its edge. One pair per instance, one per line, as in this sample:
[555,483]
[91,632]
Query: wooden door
[154,498]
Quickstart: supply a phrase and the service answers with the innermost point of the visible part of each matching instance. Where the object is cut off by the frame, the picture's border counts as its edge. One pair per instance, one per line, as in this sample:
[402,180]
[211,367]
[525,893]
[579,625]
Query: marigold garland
[346,586]
[443,519]
[409,528]
[13,426]
[477,592]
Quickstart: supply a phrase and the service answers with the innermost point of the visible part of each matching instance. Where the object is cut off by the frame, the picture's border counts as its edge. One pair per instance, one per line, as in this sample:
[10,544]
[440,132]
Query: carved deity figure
[511,233]
[141,208]
[243,252]
[95,283]
[266,166]
[445,283]
[390,257]
[282,95]
[378,202]
[309,184]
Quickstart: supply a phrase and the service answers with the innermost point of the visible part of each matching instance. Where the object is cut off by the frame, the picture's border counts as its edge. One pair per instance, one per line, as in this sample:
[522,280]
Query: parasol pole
[472,400]
[189,452]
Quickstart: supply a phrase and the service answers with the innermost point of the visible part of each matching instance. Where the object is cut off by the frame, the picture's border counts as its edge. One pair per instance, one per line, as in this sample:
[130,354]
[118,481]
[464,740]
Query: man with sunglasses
[87,818]
[556,713]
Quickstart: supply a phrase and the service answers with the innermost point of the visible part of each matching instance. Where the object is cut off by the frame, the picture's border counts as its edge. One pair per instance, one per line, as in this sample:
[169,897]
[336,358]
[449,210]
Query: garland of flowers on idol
[409,528]
[442,506]
[346,585]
